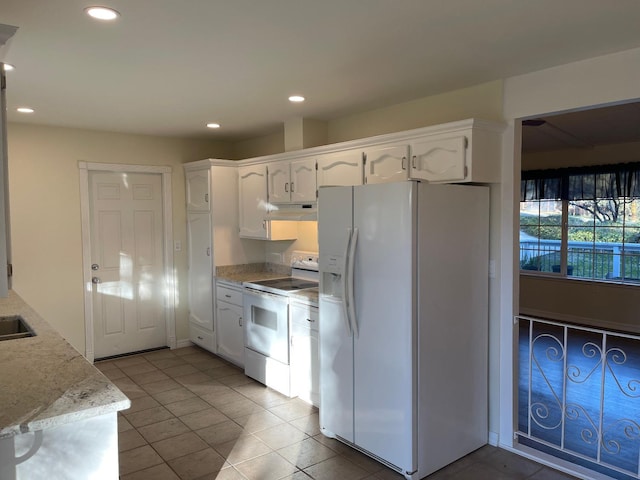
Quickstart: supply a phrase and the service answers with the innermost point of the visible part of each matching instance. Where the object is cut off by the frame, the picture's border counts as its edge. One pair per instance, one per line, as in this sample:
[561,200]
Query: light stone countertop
[250,272]
[237,274]
[308,296]
[45,382]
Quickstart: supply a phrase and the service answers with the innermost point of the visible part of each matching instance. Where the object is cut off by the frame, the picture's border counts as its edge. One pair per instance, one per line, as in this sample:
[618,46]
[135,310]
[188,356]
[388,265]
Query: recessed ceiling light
[8,67]
[213,125]
[25,110]
[102,13]
[296,98]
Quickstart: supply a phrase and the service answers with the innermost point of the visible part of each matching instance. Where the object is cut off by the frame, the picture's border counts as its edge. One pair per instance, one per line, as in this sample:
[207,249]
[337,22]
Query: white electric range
[267,323]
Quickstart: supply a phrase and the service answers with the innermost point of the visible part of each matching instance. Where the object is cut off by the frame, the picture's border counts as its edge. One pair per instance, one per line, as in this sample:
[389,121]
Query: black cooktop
[287,284]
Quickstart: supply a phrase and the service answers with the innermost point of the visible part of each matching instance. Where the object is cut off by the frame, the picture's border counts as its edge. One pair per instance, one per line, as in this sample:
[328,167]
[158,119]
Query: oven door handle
[345,283]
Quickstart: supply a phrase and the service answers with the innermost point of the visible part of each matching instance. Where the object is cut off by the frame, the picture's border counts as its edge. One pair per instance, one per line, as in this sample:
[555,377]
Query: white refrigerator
[404,320]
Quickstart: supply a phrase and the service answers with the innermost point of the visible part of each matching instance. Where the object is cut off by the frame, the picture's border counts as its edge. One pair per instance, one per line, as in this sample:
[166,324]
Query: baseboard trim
[185,342]
[493,439]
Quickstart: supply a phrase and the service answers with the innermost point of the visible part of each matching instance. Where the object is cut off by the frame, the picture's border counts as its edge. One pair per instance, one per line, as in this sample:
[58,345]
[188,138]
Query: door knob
[95,266]
[96,280]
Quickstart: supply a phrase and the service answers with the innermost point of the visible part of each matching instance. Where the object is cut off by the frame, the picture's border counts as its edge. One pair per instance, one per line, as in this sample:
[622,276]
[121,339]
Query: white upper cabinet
[252,188]
[303,180]
[279,180]
[388,163]
[340,168]
[292,181]
[197,190]
[440,159]
[470,153]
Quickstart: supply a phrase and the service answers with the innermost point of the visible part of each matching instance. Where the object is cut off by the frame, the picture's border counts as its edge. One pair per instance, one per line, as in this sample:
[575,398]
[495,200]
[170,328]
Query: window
[582,222]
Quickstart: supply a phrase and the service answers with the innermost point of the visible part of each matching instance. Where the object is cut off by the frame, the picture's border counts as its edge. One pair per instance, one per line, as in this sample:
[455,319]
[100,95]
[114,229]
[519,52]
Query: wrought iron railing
[579,395]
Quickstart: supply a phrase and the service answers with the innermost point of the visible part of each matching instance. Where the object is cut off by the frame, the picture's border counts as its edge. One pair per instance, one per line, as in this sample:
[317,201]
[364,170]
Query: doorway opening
[578,388]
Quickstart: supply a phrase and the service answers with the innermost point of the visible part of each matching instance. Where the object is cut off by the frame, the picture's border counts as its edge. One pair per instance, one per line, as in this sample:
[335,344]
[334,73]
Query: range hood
[293,212]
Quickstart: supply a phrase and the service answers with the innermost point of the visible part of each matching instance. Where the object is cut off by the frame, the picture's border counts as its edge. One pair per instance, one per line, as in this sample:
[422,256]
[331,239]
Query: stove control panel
[304,260]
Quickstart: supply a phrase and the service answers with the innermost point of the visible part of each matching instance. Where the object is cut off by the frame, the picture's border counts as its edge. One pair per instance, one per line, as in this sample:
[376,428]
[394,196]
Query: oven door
[267,324]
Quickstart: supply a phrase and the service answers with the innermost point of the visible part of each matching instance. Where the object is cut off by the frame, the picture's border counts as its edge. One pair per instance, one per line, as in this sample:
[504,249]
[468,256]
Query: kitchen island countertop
[45,382]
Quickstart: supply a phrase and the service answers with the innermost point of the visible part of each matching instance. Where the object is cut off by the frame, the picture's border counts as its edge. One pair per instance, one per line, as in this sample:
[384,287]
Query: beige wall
[280,252]
[259,146]
[580,157]
[45,212]
[592,303]
[481,101]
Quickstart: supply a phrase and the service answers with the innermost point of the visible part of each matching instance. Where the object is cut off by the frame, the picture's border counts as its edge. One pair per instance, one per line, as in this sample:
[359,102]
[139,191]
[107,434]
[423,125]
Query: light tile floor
[196,416]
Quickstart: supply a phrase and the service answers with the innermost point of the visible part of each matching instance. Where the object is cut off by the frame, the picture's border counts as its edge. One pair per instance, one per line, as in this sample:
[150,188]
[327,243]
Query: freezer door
[335,337]
[335,220]
[385,365]
[336,371]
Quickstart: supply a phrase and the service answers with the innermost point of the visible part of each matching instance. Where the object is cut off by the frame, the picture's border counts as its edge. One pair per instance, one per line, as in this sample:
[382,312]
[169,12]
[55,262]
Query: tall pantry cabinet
[212,240]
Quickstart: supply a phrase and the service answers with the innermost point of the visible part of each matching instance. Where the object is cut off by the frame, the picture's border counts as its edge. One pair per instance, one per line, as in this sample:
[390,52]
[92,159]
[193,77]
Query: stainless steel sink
[14,326]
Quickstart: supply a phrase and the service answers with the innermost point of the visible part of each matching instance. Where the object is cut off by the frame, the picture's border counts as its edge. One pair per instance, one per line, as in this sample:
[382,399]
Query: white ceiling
[167,67]
[583,129]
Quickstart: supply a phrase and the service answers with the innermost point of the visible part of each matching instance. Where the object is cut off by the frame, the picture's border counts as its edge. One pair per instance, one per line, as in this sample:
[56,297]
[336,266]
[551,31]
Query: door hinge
[9,270]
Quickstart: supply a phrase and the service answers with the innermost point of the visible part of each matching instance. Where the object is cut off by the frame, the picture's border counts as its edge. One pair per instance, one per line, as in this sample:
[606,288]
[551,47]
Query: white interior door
[126,218]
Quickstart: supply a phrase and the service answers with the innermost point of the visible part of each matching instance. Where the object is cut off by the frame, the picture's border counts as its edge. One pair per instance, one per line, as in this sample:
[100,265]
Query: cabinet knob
[240,321]
[291,187]
[413,162]
[286,187]
[402,163]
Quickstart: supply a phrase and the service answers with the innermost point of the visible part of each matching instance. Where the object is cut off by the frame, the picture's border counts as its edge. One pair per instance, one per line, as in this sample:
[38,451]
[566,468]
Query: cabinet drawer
[304,317]
[202,337]
[229,295]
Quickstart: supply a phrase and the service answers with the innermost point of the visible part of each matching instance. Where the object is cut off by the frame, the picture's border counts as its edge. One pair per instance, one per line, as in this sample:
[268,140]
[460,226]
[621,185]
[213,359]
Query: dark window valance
[581,183]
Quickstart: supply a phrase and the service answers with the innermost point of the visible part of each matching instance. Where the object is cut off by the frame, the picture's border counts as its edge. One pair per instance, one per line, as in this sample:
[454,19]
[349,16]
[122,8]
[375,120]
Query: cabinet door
[439,159]
[197,191]
[341,168]
[200,270]
[252,187]
[303,180]
[386,164]
[305,371]
[279,182]
[230,334]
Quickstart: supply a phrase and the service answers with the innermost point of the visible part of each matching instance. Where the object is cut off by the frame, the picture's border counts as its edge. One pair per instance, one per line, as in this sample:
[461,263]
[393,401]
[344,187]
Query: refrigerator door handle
[345,291]
[352,301]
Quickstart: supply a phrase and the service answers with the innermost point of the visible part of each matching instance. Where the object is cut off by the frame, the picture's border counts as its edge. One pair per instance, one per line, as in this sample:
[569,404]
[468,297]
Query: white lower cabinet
[202,336]
[304,353]
[230,333]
